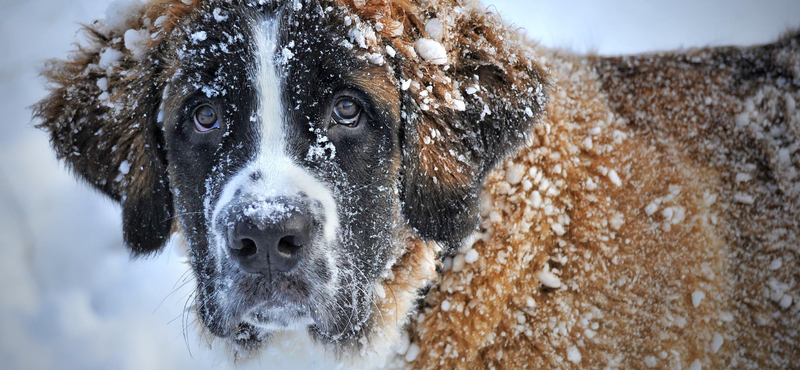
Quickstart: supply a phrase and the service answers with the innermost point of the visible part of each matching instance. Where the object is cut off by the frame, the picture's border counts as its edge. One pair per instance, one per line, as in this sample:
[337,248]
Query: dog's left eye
[205,118]
[346,112]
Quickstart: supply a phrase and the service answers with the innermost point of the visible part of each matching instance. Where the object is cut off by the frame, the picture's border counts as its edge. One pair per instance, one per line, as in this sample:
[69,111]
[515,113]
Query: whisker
[171,293]
[351,191]
[180,214]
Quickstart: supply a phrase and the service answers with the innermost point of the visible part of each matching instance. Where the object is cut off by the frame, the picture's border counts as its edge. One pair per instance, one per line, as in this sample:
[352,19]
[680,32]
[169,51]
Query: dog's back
[653,222]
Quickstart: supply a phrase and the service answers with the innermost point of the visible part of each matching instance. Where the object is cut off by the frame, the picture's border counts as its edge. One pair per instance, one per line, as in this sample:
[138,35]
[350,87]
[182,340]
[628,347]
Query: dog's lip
[278,314]
[273,305]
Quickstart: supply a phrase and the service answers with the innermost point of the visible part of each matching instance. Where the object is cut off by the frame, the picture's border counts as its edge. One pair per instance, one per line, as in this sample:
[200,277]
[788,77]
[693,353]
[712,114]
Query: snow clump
[614,177]
[435,29]
[412,352]
[431,51]
[219,16]
[471,256]
[108,58]
[549,279]
[122,15]
[199,36]
[573,355]
[716,342]
[136,41]
[697,297]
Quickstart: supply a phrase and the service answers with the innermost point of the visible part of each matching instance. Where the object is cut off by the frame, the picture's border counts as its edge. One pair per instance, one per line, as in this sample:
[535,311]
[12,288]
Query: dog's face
[293,143]
[284,160]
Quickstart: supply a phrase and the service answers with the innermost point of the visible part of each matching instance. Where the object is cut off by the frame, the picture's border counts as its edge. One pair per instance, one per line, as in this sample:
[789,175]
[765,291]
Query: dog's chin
[276,317]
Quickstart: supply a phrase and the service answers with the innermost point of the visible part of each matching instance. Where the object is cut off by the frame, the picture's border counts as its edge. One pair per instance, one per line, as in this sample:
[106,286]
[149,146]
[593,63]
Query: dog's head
[294,144]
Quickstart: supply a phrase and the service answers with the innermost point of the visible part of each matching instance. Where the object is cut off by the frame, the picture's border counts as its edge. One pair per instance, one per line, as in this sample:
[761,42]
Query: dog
[409,183]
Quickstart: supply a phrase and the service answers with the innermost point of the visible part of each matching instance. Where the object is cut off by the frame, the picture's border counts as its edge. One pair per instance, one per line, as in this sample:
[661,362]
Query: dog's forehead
[219,48]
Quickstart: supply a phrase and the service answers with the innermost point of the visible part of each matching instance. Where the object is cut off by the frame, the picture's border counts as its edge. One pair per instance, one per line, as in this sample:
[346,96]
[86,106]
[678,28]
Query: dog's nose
[270,237]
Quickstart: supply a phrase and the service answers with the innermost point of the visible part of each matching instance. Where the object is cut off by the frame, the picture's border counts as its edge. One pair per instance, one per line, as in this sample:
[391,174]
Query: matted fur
[651,219]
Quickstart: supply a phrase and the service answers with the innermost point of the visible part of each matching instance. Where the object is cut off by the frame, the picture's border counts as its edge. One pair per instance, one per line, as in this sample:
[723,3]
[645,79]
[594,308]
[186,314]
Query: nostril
[248,248]
[288,245]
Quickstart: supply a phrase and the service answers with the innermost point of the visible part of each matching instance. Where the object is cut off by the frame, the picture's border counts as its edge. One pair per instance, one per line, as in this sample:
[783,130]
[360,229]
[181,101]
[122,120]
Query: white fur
[270,84]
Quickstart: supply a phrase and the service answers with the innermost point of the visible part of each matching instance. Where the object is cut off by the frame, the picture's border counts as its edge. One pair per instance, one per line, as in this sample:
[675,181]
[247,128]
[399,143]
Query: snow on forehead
[375,36]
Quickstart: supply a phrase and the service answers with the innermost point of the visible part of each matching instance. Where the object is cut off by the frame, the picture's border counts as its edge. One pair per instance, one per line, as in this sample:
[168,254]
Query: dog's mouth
[328,310]
[272,303]
[274,316]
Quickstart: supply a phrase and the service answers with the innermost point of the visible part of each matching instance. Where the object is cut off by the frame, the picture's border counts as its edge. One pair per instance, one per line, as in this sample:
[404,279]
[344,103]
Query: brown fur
[635,279]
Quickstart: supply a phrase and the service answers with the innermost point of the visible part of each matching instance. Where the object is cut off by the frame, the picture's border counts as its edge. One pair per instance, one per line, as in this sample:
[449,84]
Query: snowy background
[69,296]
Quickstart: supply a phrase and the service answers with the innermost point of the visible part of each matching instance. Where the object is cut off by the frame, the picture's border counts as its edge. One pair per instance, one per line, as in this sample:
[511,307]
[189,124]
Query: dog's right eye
[205,118]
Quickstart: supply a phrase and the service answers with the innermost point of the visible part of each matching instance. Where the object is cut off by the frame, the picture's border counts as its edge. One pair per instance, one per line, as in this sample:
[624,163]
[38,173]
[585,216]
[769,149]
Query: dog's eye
[205,118]
[346,112]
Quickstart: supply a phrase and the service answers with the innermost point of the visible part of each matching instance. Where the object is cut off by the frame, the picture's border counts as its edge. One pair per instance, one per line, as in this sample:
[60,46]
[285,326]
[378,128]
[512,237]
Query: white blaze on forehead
[279,175]
[269,83]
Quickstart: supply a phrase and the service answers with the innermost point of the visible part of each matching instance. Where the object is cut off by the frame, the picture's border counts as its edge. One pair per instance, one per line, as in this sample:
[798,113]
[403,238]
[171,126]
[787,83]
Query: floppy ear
[465,107]
[101,115]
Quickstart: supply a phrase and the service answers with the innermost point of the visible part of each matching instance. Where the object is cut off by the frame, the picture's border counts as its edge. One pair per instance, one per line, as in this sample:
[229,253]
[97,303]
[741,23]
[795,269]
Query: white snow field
[70,298]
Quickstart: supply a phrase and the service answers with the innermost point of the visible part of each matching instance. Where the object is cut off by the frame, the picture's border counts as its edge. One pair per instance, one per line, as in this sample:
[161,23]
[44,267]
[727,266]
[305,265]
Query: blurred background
[70,298]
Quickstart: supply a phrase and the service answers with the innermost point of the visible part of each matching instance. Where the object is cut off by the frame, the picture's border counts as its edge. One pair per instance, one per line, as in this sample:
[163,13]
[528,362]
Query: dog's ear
[471,92]
[102,117]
